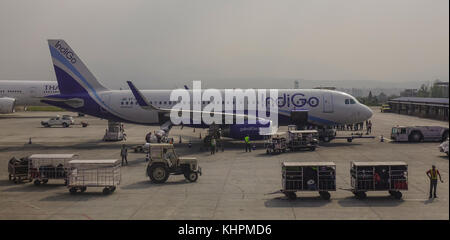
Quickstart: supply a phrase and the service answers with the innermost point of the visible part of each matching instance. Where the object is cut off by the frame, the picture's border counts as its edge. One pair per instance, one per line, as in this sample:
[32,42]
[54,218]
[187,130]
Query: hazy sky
[230,43]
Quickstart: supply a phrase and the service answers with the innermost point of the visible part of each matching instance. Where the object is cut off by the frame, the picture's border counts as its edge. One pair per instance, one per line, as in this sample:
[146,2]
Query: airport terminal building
[435,108]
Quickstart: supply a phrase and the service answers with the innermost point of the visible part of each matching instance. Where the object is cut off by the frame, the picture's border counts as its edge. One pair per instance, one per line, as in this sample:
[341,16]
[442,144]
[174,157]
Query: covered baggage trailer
[302,139]
[43,167]
[378,176]
[276,145]
[93,173]
[308,176]
[18,169]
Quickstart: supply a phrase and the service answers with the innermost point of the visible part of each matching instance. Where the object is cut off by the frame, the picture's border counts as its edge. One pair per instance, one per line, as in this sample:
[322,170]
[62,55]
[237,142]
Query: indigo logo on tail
[66,52]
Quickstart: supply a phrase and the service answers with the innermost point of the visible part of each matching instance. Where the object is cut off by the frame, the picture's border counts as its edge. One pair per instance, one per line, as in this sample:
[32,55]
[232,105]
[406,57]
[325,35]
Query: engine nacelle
[239,131]
[7,105]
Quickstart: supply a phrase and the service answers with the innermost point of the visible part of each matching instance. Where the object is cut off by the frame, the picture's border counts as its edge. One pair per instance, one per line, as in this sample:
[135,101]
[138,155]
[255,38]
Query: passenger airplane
[81,92]
[24,93]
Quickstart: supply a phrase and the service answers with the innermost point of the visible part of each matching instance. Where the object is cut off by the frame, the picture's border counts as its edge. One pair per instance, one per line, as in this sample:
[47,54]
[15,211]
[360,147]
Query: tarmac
[234,184]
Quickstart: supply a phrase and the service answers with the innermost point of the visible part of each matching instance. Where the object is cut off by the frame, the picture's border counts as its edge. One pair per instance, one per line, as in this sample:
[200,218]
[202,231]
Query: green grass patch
[44,109]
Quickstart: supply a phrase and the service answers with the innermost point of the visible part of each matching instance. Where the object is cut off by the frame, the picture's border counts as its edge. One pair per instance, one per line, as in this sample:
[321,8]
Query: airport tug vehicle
[378,176]
[93,173]
[419,133]
[308,176]
[42,167]
[163,161]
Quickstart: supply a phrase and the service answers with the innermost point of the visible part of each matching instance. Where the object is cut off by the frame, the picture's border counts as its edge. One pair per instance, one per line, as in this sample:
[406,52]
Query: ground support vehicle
[114,132]
[443,147]
[93,173]
[419,133]
[308,176]
[385,108]
[328,134]
[42,167]
[64,121]
[164,161]
[378,176]
[18,169]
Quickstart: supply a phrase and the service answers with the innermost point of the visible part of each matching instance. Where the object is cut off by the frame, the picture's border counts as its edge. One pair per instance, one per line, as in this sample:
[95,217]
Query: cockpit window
[350,101]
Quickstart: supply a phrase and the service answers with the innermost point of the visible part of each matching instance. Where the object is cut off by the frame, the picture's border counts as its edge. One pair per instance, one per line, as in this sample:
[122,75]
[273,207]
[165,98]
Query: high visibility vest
[433,174]
[247,139]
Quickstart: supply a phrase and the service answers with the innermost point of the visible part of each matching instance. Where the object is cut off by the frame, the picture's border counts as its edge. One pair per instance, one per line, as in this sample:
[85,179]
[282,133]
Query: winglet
[142,101]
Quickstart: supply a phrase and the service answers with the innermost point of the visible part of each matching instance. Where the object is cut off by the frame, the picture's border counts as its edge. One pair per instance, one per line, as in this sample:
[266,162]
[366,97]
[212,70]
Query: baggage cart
[93,173]
[308,176]
[42,167]
[378,176]
[276,145]
[18,169]
[302,139]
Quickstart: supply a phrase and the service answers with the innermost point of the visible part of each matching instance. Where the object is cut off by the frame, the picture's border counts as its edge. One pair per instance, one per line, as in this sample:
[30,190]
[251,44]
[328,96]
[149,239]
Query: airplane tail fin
[71,73]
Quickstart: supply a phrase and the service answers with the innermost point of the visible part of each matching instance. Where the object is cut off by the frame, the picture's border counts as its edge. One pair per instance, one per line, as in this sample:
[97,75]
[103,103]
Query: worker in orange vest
[433,174]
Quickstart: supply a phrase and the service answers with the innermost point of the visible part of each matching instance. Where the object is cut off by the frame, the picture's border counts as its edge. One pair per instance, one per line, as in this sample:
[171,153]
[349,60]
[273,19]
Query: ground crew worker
[124,154]
[213,146]
[433,174]
[369,127]
[247,144]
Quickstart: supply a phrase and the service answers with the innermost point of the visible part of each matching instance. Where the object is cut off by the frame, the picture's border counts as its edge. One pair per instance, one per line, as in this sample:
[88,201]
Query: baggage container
[378,176]
[93,173]
[308,176]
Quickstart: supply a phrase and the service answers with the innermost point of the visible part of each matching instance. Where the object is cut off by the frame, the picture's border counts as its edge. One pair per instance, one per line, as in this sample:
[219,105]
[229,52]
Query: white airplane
[81,92]
[24,93]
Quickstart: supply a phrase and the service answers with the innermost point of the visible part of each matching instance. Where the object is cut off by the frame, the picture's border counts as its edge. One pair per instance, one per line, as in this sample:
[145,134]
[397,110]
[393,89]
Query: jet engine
[7,105]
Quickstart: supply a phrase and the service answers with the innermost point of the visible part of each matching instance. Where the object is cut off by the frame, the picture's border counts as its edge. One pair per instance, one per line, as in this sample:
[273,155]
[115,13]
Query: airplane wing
[145,104]
[73,102]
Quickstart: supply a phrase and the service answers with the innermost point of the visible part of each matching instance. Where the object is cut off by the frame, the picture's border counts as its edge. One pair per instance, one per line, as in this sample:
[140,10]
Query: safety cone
[200,136]
[381,138]
[180,140]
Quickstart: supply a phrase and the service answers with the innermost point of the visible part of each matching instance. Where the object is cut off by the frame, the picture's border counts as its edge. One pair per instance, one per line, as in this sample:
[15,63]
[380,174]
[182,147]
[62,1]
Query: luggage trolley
[308,176]
[93,173]
[43,167]
[378,176]
[18,169]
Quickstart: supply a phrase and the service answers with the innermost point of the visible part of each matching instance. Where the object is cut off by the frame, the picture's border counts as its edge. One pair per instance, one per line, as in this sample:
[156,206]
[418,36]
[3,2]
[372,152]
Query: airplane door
[327,103]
